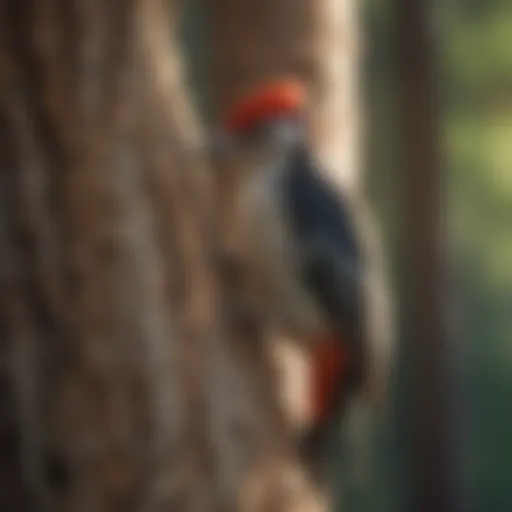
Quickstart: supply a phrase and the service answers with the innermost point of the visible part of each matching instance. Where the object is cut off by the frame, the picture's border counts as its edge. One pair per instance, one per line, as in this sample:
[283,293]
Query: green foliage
[476,48]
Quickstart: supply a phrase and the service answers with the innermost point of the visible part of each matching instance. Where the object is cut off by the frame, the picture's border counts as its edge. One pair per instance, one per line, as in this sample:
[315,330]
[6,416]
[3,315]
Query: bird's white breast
[275,254]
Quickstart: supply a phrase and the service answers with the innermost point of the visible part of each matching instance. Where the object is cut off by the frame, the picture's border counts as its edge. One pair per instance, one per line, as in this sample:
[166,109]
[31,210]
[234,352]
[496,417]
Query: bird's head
[269,117]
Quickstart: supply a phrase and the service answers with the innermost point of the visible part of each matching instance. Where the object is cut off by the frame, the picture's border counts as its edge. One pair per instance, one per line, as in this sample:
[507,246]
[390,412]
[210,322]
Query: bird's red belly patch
[329,360]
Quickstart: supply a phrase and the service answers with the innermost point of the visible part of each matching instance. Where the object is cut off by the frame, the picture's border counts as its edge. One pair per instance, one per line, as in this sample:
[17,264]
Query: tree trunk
[434,464]
[123,390]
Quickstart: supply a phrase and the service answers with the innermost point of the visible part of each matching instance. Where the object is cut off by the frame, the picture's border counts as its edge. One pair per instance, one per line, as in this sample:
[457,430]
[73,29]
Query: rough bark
[317,40]
[124,389]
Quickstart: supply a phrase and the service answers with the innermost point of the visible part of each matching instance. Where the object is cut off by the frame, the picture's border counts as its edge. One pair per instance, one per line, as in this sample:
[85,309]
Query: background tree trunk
[124,390]
[435,463]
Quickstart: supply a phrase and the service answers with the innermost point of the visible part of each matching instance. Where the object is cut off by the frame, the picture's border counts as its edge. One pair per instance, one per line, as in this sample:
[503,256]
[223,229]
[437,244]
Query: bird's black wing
[332,272]
[332,267]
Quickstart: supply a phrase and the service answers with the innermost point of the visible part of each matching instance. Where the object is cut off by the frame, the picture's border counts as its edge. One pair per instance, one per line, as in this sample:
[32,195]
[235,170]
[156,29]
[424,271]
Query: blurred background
[473,44]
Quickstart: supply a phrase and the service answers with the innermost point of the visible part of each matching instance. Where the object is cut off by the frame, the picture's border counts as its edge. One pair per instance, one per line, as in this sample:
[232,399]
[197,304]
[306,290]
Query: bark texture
[122,386]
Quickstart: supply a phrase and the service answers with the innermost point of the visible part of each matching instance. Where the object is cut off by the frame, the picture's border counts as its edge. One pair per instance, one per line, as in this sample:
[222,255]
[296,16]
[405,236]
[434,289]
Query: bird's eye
[255,136]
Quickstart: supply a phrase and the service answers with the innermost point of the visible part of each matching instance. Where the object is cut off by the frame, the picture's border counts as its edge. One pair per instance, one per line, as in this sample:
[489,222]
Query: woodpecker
[303,238]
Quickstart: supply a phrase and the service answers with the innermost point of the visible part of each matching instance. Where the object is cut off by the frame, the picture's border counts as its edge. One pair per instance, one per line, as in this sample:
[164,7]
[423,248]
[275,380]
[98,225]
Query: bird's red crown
[272,99]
